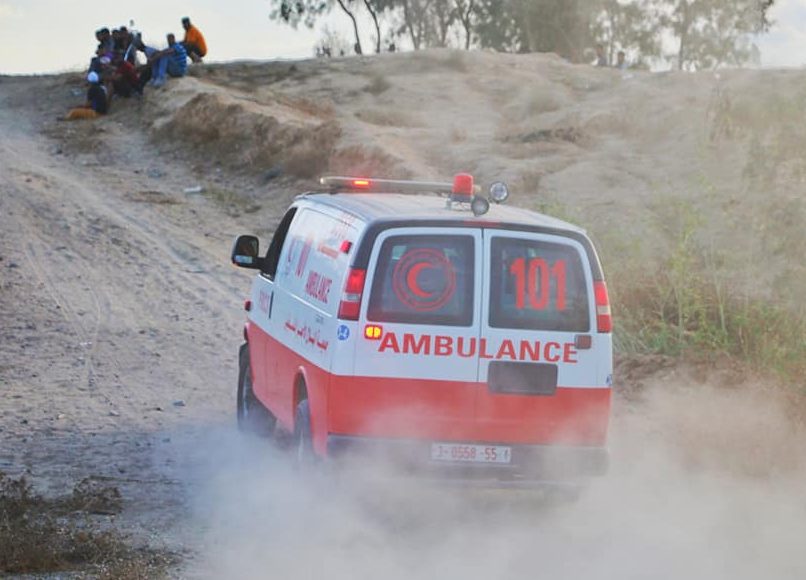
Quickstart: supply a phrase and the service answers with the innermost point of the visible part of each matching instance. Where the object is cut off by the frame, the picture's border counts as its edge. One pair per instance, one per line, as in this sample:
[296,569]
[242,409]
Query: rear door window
[537,285]
[424,279]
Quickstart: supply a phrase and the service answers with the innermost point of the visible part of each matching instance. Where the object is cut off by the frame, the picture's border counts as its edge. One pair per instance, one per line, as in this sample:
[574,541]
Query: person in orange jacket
[194,42]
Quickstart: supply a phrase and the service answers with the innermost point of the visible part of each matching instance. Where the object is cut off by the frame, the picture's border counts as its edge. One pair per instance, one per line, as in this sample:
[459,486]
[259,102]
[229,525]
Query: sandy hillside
[612,150]
[120,317]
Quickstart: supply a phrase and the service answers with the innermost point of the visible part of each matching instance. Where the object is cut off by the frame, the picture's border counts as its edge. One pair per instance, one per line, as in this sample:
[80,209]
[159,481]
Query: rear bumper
[531,464]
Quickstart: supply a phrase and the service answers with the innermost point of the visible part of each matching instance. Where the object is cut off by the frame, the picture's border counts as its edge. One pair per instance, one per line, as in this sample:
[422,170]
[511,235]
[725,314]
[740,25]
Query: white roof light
[499,192]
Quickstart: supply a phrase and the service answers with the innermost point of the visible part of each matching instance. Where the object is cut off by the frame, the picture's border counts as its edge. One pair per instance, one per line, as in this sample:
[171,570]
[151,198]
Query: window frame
[272,259]
[380,277]
[494,288]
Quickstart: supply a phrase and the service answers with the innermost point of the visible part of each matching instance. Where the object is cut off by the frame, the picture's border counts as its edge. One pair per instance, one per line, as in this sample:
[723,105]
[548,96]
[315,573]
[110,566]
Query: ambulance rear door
[540,373]
[416,365]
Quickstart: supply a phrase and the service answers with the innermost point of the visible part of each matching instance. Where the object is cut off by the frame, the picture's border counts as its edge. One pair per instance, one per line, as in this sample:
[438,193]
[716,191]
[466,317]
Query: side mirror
[246,252]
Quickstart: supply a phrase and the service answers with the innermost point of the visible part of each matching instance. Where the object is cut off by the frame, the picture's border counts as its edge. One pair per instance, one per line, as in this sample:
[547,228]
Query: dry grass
[377,85]
[152,197]
[456,60]
[458,135]
[77,137]
[249,141]
[45,536]
[233,203]
[361,160]
[541,100]
[316,108]
[388,118]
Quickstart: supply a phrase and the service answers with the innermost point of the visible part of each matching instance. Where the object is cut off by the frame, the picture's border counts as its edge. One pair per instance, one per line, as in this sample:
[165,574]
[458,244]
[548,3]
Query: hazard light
[373,332]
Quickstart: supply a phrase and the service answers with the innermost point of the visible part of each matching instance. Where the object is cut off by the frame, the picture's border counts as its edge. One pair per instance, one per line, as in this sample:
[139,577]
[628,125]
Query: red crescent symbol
[411,279]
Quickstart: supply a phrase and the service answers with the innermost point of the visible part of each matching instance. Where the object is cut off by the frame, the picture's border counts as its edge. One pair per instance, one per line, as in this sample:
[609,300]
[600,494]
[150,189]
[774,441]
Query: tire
[253,417]
[304,455]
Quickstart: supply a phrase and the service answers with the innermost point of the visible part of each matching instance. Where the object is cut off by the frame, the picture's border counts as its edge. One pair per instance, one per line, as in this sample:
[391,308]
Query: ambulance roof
[379,207]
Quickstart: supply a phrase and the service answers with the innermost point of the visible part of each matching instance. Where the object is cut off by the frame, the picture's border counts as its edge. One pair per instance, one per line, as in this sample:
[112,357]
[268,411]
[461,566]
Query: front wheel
[253,417]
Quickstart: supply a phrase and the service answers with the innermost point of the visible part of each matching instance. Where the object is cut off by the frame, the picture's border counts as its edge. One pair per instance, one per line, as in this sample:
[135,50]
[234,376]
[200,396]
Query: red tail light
[604,320]
[350,305]
[360,182]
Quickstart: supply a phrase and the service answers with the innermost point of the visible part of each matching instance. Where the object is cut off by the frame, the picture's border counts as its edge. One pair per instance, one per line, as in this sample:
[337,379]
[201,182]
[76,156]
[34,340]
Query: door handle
[271,303]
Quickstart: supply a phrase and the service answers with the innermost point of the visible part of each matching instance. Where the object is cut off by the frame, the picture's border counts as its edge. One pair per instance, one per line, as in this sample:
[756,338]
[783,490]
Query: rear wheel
[305,455]
[253,417]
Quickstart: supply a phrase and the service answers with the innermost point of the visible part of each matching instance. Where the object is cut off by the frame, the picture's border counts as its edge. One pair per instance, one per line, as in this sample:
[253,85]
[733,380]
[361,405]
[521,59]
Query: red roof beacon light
[463,188]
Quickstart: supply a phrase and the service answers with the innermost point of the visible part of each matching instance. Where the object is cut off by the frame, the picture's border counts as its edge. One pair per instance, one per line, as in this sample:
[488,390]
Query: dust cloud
[705,482]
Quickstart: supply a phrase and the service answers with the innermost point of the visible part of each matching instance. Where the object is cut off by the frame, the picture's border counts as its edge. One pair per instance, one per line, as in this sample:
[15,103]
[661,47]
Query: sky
[46,36]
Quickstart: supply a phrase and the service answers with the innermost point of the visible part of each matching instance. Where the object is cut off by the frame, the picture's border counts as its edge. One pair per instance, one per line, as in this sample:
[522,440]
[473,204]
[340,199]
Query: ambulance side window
[273,254]
[424,279]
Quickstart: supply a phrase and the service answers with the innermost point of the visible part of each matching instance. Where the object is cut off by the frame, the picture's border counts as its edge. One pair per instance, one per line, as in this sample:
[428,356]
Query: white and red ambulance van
[457,335]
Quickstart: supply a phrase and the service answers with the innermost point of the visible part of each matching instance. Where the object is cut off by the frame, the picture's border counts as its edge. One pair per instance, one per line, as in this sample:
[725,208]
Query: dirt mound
[235,135]
[618,152]
[611,150]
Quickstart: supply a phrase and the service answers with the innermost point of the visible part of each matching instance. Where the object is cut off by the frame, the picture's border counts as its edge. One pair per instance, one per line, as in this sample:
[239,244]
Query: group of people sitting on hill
[117,71]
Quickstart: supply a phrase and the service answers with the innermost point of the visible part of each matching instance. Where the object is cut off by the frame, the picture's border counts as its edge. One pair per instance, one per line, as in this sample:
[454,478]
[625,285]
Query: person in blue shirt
[172,61]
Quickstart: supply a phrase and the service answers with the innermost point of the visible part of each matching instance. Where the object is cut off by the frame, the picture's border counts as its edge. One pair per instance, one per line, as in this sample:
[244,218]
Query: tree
[706,33]
[307,12]
[443,16]
[711,33]
[498,26]
[373,12]
[560,26]
[466,14]
[634,27]
[416,20]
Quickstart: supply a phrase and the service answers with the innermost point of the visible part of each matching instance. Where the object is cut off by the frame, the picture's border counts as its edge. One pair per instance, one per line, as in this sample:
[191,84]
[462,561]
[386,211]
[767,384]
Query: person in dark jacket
[97,100]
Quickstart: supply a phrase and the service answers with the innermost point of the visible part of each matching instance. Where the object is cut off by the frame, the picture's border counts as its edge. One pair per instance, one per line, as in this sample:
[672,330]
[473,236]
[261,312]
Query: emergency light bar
[462,191]
[371,185]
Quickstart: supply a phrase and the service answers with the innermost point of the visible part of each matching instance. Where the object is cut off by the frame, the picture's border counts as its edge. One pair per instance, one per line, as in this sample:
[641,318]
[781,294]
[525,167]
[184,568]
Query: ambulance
[430,326]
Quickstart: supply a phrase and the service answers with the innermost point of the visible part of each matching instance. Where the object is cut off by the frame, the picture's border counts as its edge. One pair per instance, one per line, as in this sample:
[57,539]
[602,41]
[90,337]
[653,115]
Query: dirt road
[120,315]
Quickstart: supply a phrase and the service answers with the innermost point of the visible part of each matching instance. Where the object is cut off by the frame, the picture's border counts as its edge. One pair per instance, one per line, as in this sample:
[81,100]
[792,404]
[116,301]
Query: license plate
[471,453]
